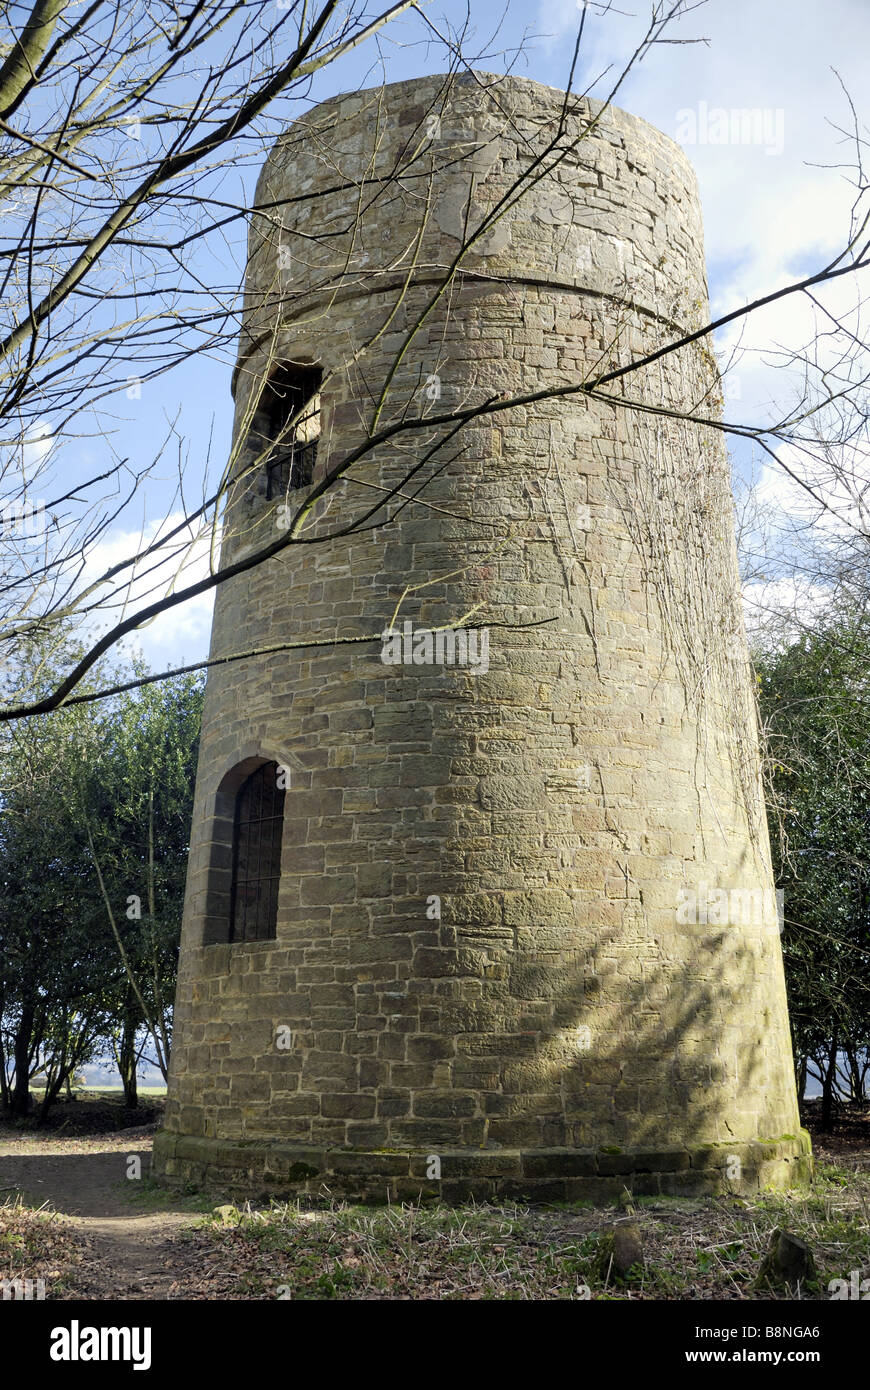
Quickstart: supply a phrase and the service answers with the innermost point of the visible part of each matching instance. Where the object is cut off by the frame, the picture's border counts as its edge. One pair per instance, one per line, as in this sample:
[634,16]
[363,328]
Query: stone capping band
[266,1168]
[309,301]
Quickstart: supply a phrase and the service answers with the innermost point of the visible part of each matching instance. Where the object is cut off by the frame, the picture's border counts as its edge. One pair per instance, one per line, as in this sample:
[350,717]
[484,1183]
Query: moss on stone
[299,1172]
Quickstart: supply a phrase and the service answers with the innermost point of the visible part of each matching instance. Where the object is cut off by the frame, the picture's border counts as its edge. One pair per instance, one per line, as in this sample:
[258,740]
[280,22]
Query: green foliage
[136,799]
[816,715]
[101,786]
[56,975]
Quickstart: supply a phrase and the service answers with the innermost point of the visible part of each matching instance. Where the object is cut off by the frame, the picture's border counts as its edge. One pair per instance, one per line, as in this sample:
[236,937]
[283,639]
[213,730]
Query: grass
[108,1093]
[37,1244]
[698,1249]
[149,1195]
[111,1092]
[693,1248]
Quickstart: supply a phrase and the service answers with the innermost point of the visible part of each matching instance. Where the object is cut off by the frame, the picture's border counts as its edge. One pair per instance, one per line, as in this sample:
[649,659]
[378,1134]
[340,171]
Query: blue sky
[773,210]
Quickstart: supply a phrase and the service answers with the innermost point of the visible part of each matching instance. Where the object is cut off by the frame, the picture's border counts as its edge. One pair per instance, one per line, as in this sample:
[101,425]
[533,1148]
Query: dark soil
[77,1170]
[849,1140]
[91,1115]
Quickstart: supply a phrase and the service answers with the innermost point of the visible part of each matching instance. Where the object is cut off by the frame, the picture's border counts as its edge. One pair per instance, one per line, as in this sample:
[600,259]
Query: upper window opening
[286,427]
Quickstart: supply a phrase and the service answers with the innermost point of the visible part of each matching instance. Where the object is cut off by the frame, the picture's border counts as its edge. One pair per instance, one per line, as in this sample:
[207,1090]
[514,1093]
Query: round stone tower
[480,898]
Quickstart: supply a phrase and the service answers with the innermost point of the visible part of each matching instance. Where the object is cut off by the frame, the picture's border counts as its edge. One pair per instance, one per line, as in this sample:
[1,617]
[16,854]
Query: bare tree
[119,188]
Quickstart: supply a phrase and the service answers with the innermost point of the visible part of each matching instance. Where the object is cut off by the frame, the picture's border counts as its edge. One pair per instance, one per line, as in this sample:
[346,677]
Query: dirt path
[133,1250]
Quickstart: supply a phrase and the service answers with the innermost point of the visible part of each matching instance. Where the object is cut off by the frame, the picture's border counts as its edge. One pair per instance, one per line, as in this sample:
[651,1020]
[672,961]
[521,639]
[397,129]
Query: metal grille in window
[290,413]
[290,467]
[259,821]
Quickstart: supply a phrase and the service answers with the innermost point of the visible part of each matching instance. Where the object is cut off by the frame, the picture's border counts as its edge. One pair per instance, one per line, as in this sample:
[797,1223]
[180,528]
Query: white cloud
[767,217]
[179,634]
[37,446]
[783,608]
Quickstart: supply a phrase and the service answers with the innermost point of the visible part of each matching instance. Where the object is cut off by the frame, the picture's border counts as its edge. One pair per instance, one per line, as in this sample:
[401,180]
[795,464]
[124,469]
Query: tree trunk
[52,1091]
[132,1020]
[827,1120]
[21,1093]
[4,1080]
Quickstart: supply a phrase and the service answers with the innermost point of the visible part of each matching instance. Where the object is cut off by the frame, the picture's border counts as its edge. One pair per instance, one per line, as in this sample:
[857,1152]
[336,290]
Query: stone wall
[563,1020]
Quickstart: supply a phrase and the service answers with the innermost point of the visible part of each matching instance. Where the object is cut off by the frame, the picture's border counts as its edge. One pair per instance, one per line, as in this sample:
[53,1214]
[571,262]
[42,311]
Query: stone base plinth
[261,1168]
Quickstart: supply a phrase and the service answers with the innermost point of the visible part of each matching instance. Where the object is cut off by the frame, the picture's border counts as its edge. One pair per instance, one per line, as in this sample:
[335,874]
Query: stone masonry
[526,937]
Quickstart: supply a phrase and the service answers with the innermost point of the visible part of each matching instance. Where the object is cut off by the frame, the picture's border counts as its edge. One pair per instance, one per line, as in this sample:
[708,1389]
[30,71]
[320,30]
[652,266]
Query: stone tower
[479,896]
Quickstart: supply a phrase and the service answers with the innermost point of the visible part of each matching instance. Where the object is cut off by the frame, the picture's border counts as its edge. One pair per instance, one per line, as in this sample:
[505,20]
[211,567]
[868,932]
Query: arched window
[257,826]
